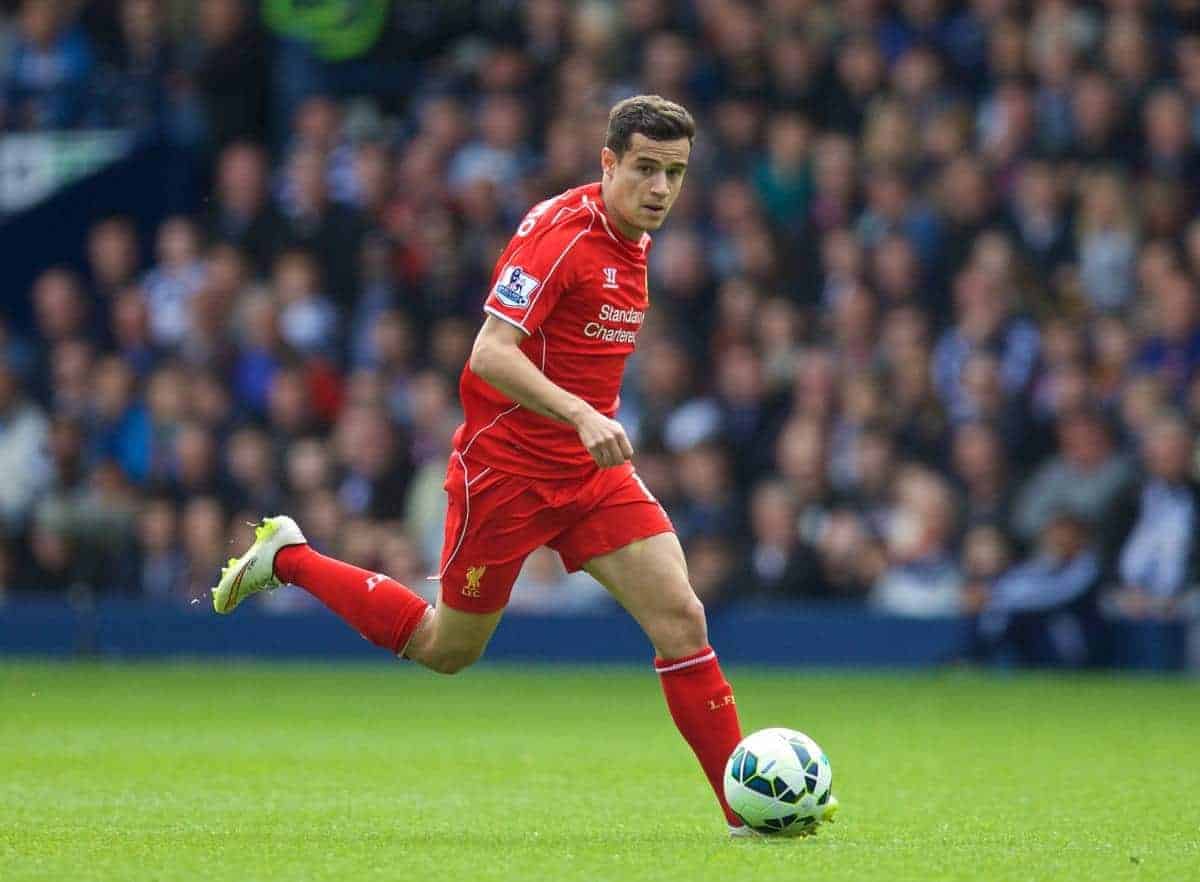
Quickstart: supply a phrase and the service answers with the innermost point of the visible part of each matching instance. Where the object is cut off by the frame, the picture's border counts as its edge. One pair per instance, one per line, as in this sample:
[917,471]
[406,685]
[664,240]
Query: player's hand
[604,439]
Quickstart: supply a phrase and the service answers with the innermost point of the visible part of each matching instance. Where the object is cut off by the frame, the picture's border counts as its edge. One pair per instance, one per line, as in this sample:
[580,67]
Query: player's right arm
[497,359]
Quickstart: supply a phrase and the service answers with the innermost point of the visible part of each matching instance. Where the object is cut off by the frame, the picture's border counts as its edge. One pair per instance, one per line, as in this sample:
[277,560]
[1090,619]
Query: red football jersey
[577,287]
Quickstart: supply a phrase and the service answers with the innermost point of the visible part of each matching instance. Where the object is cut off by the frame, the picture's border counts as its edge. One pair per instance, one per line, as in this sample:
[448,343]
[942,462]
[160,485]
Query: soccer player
[539,459]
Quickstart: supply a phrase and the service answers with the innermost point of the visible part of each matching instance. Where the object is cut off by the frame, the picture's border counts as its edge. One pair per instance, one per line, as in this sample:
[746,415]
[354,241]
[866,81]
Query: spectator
[202,532]
[984,324]
[1107,241]
[893,209]
[241,213]
[1153,527]
[1173,352]
[290,408]
[59,306]
[896,272]
[967,208]
[777,565]
[1087,475]
[711,568]
[260,352]
[170,285]
[987,555]
[708,505]
[25,469]
[129,319]
[1042,611]
[922,578]
[228,65]
[800,453]
[119,427]
[498,154]
[163,568]
[1098,137]
[783,178]
[858,77]
[1038,217]
[113,259]
[982,470]
[375,464]
[167,403]
[47,70]
[250,465]
[140,68]
[308,322]
[71,374]
[331,231]
[319,124]
[744,415]
[193,468]
[874,472]
[852,559]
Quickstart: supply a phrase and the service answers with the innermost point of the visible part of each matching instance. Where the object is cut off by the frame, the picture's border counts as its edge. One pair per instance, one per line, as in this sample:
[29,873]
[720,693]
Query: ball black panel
[760,785]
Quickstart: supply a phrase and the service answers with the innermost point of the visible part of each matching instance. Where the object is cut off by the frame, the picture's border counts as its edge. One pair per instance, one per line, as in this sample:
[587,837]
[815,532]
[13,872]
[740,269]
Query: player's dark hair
[650,115]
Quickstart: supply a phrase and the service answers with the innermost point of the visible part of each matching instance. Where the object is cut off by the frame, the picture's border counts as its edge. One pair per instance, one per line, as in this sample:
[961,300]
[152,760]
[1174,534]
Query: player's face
[641,186]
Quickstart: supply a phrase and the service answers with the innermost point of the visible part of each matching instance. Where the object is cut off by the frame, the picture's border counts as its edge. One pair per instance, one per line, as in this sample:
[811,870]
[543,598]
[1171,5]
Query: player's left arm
[497,359]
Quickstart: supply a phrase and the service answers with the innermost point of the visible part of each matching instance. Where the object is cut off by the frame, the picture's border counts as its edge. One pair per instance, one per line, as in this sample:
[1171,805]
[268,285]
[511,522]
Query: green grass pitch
[242,771]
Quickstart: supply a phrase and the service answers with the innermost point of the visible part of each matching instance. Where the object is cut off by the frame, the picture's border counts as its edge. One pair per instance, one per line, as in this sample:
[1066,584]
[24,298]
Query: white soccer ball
[779,781]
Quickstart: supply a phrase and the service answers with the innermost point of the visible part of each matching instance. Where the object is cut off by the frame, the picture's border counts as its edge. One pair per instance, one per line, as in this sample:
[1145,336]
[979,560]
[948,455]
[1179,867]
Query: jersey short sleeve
[535,269]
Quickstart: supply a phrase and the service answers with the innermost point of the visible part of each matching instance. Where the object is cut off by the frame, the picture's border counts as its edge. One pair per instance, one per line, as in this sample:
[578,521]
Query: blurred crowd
[924,327]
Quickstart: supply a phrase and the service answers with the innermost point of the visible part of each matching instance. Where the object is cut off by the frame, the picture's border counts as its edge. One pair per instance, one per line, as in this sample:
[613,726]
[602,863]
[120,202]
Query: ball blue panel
[824,798]
[749,766]
[735,764]
[801,754]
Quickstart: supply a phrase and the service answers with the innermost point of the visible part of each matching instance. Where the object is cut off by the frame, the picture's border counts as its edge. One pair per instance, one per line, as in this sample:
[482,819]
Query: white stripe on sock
[708,656]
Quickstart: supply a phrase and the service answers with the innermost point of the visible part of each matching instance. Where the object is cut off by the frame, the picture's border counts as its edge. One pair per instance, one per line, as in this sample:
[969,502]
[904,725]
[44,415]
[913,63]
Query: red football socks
[701,703]
[379,608]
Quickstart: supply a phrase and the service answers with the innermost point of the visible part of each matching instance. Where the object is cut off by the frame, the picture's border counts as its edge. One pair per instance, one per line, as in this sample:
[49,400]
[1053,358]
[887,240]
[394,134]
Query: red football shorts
[495,519]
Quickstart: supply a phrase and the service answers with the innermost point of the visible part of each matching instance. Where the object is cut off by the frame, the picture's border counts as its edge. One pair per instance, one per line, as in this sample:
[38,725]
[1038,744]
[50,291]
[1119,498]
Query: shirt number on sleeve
[531,219]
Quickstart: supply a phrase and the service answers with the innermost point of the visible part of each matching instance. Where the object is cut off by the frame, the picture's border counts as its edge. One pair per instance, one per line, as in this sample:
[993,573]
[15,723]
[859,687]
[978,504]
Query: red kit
[518,480]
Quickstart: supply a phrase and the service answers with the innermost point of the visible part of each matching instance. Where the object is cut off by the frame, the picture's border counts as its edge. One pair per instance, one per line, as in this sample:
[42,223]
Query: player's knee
[694,623]
[683,630]
[451,661]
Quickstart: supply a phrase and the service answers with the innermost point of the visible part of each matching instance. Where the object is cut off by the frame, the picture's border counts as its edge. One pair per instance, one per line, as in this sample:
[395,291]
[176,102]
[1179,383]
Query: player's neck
[627,231]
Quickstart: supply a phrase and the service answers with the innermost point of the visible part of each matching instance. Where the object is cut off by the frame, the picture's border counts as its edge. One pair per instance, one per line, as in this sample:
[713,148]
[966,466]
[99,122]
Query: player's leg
[385,612]
[628,544]
[448,640]
[441,638]
[487,511]
[649,578]
[378,607]
[472,600]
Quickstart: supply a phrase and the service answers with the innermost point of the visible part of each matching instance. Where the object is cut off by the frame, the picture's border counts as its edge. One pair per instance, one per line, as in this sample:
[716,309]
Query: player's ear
[608,160]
